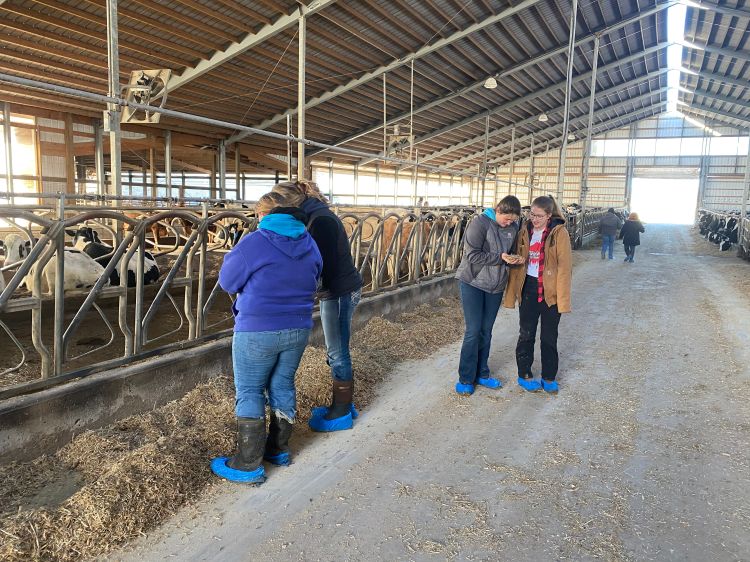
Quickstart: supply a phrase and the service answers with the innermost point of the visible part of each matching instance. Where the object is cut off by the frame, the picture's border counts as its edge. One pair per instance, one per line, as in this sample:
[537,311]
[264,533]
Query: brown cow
[406,263]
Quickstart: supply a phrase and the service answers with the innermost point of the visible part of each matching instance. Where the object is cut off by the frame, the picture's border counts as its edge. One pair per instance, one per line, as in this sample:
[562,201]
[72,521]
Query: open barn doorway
[658,198]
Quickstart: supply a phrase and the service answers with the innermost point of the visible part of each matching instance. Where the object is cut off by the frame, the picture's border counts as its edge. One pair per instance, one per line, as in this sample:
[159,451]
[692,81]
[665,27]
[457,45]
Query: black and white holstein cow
[87,240]
[81,272]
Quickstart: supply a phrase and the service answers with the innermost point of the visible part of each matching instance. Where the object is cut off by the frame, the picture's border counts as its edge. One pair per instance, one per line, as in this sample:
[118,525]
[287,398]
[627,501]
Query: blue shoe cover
[550,386]
[464,389]
[529,384]
[220,468]
[323,410]
[320,423]
[490,382]
[282,459]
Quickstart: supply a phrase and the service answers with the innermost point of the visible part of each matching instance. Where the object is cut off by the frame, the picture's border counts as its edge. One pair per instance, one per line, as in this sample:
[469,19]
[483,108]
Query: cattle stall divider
[103,326]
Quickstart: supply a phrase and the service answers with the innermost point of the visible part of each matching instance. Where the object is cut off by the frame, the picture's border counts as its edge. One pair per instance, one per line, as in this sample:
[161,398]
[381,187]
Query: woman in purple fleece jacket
[274,272]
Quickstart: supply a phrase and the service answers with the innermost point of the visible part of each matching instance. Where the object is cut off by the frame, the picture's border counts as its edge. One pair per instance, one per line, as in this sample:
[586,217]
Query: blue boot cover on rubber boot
[464,389]
[550,386]
[247,465]
[323,410]
[277,443]
[490,382]
[529,385]
[320,423]
[341,407]
[281,459]
[220,468]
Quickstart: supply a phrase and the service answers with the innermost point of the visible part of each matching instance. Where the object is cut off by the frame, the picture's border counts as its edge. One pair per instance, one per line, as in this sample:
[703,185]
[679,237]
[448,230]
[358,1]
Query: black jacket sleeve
[325,232]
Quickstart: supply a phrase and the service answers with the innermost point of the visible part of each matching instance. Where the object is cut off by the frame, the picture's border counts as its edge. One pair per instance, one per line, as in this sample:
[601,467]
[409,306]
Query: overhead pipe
[12,79]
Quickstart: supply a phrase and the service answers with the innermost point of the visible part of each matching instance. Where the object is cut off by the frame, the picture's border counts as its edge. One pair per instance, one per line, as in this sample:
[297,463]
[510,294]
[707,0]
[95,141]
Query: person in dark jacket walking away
[339,295]
[631,236]
[541,286]
[608,226]
[482,276]
[274,271]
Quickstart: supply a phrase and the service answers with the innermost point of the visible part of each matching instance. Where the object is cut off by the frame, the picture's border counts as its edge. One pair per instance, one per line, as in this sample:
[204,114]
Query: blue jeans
[480,311]
[336,318]
[264,367]
[608,243]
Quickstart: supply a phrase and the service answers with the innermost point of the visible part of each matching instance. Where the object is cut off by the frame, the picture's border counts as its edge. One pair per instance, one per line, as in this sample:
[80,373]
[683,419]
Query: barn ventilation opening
[665,200]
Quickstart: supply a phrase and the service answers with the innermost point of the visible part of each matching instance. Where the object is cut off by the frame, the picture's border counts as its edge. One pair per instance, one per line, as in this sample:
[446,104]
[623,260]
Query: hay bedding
[110,485]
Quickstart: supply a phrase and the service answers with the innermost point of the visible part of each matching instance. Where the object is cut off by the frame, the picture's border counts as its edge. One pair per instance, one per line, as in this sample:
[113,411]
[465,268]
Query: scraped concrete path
[642,456]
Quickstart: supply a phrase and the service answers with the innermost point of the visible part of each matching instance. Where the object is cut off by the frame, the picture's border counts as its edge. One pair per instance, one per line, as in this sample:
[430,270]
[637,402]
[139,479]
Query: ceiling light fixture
[543,118]
[490,83]
[571,137]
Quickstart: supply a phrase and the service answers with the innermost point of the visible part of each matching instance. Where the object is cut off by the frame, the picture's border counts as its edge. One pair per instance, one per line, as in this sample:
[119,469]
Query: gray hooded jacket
[481,265]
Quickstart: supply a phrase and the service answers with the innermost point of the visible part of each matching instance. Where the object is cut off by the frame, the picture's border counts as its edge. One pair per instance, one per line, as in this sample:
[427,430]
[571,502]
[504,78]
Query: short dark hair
[611,210]
[508,205]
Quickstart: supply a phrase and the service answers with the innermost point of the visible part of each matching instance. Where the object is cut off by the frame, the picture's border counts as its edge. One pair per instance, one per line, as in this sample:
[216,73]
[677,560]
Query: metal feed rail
[186,306]
[391,247]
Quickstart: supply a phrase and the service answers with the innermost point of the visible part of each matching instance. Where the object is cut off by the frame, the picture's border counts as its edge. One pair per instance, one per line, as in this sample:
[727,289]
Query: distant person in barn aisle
[541,286]
[631,235]
[608,226]
[482,276]
[340,292]
[274,271]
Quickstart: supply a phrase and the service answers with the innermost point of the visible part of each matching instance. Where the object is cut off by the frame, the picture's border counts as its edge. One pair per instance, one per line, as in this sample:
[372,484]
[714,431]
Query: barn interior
[153,127]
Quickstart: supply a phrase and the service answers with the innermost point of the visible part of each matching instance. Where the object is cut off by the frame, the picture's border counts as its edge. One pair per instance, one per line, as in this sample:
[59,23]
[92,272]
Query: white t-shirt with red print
[535,251]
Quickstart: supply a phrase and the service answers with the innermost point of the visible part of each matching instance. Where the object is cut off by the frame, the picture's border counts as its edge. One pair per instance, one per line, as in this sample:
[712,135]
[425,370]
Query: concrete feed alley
[643,455]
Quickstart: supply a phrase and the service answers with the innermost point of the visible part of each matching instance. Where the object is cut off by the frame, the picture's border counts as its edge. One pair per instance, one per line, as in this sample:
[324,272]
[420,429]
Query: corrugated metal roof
[351,38]
[716,88]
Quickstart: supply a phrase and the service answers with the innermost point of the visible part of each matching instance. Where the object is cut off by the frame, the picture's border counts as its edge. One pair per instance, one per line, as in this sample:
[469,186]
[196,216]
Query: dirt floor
[644,454]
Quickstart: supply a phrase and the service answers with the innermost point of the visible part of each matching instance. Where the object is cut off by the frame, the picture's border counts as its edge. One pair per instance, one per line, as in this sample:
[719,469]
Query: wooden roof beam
[248,42]
[579,103]
[520,102]
[419,53]
[499,76]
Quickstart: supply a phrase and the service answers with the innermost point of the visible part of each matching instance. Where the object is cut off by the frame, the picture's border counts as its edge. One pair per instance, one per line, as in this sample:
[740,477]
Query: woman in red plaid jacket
[541,284]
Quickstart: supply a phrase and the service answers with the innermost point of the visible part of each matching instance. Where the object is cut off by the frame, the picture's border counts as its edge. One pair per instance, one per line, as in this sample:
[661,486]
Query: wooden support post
[212,179]
[70,162]
[239,192]
[152,172]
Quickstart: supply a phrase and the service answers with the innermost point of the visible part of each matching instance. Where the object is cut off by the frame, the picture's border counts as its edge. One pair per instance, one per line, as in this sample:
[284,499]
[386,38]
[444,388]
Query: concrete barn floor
[642,456]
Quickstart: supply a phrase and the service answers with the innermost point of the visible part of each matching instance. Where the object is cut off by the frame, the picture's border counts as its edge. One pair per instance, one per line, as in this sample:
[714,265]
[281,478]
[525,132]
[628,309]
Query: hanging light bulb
[571,137]
[543,118]
[490,83]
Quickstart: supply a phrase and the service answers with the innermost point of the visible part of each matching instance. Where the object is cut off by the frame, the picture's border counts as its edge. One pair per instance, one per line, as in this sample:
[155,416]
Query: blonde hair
[548,204]
[270,201]
[298,191]
[633,217]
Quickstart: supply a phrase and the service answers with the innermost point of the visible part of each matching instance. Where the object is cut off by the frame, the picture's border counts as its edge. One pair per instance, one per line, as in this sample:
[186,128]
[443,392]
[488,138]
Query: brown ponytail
[548,204]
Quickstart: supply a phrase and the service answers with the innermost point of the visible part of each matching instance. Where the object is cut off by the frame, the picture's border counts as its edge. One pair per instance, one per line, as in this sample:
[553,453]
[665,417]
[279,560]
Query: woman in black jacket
[631,235]
[339,295]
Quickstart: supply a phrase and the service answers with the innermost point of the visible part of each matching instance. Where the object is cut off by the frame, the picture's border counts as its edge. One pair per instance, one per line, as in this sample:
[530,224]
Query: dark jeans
[336,318]
[480,311]
[630,251]
[608,245]
[531,312]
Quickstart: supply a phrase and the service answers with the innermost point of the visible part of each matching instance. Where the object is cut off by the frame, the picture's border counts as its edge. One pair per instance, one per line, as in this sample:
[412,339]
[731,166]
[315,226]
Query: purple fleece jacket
[275,278]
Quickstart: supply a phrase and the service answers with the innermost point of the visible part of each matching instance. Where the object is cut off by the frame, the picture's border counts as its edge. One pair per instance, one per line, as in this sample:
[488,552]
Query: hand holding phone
[511,259]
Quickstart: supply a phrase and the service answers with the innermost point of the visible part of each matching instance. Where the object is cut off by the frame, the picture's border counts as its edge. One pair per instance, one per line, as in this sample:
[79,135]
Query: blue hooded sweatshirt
[274,272]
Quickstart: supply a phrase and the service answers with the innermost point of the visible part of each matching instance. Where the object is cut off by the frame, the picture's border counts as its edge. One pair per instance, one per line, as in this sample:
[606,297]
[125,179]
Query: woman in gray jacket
[482,276]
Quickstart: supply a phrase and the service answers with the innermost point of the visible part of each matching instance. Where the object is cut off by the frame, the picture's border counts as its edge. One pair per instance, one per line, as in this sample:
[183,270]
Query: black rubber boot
[343,392]
[251,440]
[277,444]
